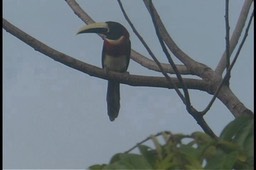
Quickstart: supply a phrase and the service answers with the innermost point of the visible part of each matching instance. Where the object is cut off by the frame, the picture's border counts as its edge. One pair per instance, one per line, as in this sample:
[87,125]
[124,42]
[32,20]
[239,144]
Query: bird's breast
[116,54]
[113,63]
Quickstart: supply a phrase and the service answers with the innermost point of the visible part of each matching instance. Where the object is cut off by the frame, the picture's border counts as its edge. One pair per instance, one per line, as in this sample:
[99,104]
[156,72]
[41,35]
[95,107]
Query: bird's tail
[113,99]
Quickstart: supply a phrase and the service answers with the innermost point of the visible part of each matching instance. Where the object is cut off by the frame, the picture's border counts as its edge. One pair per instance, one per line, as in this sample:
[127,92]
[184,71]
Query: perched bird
[115,57]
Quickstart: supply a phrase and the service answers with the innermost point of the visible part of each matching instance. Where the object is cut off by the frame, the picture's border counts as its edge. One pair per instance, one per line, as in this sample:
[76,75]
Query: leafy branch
[233,150]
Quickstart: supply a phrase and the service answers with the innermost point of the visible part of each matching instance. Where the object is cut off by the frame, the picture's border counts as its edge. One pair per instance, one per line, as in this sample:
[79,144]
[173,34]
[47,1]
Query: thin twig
[185,90]
[149,51]
[242,42]
[227,41]
[235,35]
[79,11]
[145,140]
[197,116]
[193,66]
[231,66]
[192,111]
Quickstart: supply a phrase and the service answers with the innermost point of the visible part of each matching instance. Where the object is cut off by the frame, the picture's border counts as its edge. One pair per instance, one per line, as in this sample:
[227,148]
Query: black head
[112,30]
[115,30]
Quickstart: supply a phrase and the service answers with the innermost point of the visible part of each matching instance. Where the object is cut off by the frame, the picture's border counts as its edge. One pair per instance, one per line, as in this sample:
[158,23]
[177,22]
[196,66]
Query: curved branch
[150,51]
[133,80]
[168,56]
[235,36]
[136,56]
[192,65]
[79,12]
[236,107]
[227,75]
[199,69]
[197,116]
[150,64]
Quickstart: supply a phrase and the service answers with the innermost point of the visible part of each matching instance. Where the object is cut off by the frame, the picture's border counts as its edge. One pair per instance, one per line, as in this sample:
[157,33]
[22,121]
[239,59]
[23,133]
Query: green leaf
[227,146]
[149,154]
[235,127]
[248,144]
[166,163]
[201,137]
[210,151]
[243,133]
[97,167]
[128,161]
[191,156]
[222,161]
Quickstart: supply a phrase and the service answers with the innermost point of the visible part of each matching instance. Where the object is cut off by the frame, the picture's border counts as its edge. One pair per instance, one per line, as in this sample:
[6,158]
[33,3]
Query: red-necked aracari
[115,57]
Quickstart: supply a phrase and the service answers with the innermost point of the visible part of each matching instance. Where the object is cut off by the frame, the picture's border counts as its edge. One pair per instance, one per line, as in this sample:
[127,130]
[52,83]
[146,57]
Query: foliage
[233,150]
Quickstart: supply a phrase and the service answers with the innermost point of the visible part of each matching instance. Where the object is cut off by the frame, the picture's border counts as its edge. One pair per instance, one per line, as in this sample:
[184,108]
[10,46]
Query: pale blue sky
[55,117]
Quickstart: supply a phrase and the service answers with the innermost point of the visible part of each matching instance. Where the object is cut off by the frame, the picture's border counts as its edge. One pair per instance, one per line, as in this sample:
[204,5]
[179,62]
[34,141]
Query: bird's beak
[98,27]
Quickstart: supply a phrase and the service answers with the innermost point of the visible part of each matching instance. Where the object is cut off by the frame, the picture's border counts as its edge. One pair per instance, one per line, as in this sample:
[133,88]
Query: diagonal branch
[203,71]
[80,12]
[192,65]
[133,80]
[191,110]
[185,90]
[220,86]
[227,42]
[235,36]
[150,52]
[197,116]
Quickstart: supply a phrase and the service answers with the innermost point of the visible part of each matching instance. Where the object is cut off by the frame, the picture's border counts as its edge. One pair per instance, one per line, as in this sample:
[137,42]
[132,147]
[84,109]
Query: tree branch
[197,116]
[235,36]
[199,69]
[185,90]
[227,75]
[150,52]
[227,42]
[133,80]
[193,66]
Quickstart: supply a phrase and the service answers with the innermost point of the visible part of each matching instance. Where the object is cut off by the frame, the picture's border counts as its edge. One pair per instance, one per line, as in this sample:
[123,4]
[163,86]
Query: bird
[115,57]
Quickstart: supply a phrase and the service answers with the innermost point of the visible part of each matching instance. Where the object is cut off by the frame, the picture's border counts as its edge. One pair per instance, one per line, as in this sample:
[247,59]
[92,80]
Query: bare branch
[150,64]
[197,116]
[133,80]
[235,36]
[227,75]
[185,90]
[191,110]
[242,42]
[150,52]
[79,12]
[236,107]
[227,41]
[148,138]
[200,69]
[192,65]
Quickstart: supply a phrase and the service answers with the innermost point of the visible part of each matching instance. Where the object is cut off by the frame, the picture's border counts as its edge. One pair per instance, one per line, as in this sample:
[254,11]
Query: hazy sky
[55,116]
